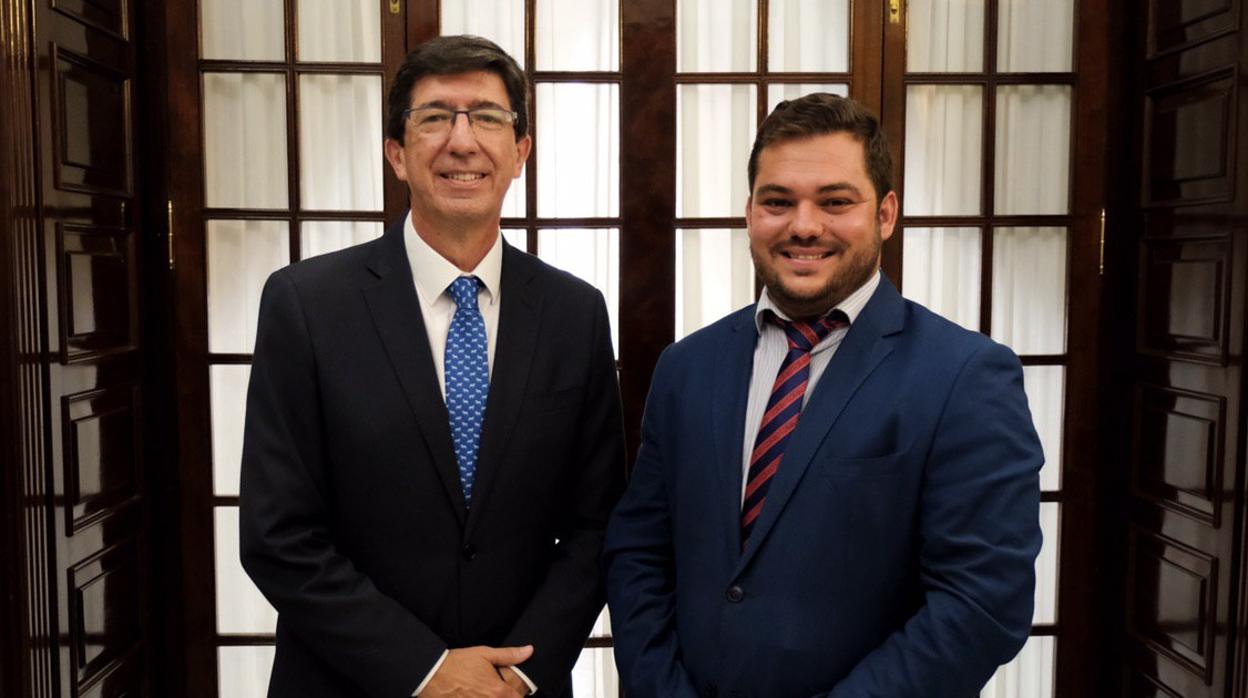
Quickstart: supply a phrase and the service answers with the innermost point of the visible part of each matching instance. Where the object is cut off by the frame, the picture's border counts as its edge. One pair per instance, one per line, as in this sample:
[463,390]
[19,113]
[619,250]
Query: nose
[805,223]
[461,138]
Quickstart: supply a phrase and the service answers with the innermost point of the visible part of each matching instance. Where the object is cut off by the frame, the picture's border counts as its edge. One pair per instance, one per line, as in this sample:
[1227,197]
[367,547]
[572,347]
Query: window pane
[592,255]
[940,269]
[319,237]
[243,672]
[716,36]
[602,626]
[1030,675]
[340,154]
[241,255]
[1029,289]
[500,21]
[594,675]
[578,35]
[245,141]
[1046,396]
[1046,565]
[808,36]
[240,606]
[515,203]
[578,163]
[944,147]
[342,31]
[714,276]
[227,393]
[1033,149]
[1035,37]
[782,91]
[242,30]
[715,130]
[945,36]
[517,238]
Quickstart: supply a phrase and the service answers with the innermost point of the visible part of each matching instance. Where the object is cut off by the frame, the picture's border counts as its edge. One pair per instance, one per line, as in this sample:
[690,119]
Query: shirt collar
[433,273]
[852,305]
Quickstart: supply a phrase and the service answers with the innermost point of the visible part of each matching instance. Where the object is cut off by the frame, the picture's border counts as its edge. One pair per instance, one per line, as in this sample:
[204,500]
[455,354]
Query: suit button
[469,552]
[710,690]
[735,593]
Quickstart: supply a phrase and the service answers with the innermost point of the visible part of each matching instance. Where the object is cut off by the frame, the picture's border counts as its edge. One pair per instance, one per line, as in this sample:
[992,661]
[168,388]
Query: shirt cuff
[438,665]
[532,686]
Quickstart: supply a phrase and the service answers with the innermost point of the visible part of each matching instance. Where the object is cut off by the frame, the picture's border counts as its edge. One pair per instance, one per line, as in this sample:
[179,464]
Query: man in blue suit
[837,490]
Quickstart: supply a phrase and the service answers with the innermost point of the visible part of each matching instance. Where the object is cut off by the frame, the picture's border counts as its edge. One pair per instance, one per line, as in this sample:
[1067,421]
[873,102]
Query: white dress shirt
[770,351]
[433,274]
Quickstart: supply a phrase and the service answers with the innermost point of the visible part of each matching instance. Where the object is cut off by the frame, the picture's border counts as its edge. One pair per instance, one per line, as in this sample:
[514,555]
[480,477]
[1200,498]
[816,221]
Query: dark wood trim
[597,76]
[242,214]
[291,34]
[395,196]
[228,66]
[647,198]
[987,78]
[547,223]
[893,120]
[721,222]
[761,78]
[980,221]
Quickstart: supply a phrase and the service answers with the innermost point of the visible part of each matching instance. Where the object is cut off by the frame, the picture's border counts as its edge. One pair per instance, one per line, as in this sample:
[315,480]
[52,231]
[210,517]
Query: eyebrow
[475,104]
[835,186]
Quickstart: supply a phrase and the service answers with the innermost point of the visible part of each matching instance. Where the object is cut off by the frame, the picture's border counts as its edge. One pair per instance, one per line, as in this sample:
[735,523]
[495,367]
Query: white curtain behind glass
[340,142]
[714,276]
[578,168]
[942,272]
[944,143]
[577,35]
[1033,149]
[242,30]
[1029,675]
[339,31]
[500,21]
[1035,35]
[714,134]
[245,140]
[945,36]
[716,35]
[808,36]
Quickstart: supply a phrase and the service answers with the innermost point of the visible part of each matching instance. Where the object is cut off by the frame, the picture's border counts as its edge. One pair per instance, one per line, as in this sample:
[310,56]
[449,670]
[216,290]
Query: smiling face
[458,179]
[815,227]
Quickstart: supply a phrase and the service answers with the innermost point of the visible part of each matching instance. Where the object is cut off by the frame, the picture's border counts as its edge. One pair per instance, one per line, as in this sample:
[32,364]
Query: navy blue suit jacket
[894,554]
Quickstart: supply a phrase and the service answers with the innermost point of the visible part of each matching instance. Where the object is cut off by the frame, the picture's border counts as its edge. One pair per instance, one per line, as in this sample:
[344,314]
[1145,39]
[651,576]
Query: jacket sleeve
[287,545]
[563,609]
[641,574]
[980,534]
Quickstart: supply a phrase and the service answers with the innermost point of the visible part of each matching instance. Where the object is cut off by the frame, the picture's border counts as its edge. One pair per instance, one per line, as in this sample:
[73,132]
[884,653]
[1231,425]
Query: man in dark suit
[433,439]
[882,544]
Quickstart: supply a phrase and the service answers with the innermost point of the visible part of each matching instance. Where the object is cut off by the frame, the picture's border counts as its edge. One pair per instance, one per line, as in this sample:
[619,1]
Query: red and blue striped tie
[783,408]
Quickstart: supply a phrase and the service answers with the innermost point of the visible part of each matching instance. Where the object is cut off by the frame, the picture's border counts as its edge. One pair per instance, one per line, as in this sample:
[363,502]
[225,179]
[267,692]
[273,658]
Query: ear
[523,146]
[889,208]
[397,158]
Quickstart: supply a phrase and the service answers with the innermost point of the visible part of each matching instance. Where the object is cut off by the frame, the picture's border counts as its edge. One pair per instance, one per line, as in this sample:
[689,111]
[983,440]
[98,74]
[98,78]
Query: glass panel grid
[240,257]
[945,36]
[242,30]
[944,150]
[943,272]
[1033,149]
[1029,289]
[1035,37]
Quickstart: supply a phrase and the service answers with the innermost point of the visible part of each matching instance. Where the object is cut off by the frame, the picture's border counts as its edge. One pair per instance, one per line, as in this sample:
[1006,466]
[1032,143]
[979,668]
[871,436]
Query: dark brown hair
[452,55]
[822,113]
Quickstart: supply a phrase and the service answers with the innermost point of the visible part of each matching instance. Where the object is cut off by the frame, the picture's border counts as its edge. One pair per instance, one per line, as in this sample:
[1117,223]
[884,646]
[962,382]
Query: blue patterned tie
[467,378]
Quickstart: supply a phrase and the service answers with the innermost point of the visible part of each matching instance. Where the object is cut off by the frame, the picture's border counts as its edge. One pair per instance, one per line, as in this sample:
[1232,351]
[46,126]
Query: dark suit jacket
[894,554]
[353,522]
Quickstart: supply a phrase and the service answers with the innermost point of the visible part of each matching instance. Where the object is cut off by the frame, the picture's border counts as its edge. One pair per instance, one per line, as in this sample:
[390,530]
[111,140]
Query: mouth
[463,177]
[808,256]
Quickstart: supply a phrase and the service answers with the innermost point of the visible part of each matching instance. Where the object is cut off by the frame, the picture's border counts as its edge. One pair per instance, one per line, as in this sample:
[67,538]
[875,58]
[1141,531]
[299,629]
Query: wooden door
[1183,349]
[72,242]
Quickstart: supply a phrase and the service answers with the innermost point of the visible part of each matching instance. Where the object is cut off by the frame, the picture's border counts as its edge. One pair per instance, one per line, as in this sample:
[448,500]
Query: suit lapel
[730,395]
[395,309]
[518,325]
[864,347]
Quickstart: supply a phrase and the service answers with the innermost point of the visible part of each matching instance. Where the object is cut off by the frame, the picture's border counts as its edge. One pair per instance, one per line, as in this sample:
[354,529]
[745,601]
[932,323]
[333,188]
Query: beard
[855,268]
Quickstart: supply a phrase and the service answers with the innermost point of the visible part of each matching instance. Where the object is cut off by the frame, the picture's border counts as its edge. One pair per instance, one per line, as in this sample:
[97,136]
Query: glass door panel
[339,31]
[714,276]
[242,30]
[808,36]
[716,36]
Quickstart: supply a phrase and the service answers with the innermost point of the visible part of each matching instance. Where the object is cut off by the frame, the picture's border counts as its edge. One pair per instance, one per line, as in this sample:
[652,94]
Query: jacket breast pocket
[872,468]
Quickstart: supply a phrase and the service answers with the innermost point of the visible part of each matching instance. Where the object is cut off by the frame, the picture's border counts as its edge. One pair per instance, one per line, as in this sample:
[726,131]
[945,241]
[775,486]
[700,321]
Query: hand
[473,671]
[513,680]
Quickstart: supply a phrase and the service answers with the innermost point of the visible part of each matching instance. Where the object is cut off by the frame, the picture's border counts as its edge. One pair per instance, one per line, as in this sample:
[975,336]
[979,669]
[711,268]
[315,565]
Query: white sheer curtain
[945,36]
[339,31]
[714,276]
[577,35]
[942,272]
[578,161]
[241,255]
[227,386]
[944,143]
[244,30]
[1046,396]
[1033,149]
[1029,289]
[715,127]
[590,254]
[247,611]
[245,140]
[1030,674]
[340,136]
[808,36]
[716,35]
[243,672]
[500,21]
[1035,36]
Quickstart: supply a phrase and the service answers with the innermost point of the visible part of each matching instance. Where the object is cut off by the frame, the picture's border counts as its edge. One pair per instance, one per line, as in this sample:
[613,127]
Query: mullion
[233,66]
[740,76]
[1008,221]
[723,222]
[586,222]
[988,166]
[278,214]
[987,78]
[596,76]
[292,125]
[246,640]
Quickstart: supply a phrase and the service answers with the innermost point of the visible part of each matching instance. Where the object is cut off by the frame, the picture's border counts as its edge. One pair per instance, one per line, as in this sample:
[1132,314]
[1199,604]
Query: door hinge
[1101,266]
[396,6]
[894,11]
[169,235]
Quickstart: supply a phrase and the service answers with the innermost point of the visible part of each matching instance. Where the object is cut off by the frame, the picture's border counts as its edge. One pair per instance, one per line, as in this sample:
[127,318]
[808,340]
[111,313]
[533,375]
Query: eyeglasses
[434,121]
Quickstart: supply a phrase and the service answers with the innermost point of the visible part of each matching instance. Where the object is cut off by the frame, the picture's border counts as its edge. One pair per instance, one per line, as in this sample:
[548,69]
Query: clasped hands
[479,671]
